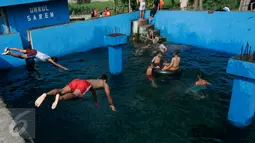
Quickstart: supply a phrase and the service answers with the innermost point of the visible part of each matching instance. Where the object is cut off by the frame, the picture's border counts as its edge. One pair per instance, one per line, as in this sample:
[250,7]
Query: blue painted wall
[223,31]
[16,2]
[80,36]
[219,31]
[2,25]
[24,17]
[10,40]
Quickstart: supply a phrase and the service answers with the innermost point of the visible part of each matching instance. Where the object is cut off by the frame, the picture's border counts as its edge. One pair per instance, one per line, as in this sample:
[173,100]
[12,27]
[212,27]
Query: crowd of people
[173,66]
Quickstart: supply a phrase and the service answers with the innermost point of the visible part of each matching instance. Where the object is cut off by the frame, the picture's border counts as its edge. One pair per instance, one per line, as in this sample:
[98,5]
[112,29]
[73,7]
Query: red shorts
[149,76]
[82,85]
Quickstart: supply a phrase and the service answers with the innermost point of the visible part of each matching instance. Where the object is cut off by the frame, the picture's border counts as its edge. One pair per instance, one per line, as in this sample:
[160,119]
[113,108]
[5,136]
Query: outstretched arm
[56,64]
[107,92]
[17,49]
[153,60]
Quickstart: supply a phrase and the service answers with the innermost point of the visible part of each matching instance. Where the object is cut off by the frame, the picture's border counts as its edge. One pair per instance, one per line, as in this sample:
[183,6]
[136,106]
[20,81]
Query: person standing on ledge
[155,9]
[141,8]
[30,53]
[76,89]
[184,4]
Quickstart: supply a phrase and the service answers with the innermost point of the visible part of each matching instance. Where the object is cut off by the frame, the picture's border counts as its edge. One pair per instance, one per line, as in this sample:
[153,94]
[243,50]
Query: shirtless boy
[76,89]
[201,81]
[149,75]
[156,59]
[141,7]
[174,65]
[30,53]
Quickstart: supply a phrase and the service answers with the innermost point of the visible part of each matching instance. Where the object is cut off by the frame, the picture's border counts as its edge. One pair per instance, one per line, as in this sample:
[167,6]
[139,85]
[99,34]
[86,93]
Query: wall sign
[39,12]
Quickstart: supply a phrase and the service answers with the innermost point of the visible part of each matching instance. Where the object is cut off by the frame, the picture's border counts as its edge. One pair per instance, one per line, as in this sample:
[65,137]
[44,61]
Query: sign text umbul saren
[39,13]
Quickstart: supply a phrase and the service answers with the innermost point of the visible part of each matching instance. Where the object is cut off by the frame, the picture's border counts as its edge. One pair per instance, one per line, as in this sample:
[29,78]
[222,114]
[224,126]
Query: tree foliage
[173,4]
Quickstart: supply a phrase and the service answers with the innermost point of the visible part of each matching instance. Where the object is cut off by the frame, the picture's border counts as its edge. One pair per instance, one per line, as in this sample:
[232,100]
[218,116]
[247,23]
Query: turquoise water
[145,114]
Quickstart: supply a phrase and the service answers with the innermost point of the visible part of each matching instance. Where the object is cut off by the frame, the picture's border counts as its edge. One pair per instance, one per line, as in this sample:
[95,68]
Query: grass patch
[86,8]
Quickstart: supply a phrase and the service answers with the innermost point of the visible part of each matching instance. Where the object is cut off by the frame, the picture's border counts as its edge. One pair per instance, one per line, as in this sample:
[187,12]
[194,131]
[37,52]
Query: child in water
[149,75]
[165,63]
[201,81]
[200,85]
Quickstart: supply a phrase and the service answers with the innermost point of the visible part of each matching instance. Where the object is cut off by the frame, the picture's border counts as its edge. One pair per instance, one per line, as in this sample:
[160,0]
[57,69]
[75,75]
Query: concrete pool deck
[5,121]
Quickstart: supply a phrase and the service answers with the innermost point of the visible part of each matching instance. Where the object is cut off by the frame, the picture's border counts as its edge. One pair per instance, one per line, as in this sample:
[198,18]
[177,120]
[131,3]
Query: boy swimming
[200,85]
[141,7]
[174,65]
[30,54]
[201,81]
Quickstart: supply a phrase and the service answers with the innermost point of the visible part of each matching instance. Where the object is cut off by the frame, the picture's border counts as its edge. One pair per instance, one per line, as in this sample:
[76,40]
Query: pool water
[144,113]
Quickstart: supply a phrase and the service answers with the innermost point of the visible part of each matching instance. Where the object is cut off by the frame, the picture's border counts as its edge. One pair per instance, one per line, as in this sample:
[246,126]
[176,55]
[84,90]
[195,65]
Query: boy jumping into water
[141,7]
[174,65]
[76,89]
[31,53]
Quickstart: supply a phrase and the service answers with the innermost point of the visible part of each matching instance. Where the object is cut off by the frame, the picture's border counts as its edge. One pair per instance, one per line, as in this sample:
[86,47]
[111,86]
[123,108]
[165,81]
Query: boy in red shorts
[149,75]
[77,88]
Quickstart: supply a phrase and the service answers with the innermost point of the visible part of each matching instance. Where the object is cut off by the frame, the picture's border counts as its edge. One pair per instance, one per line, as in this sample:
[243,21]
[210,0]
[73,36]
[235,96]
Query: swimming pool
[145,114]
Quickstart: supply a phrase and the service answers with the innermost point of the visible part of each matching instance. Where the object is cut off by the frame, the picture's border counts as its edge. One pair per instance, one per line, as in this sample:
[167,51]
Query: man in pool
[156,59]
[76,89]
[31,53]
[199,87]
[201,81]
[174,65]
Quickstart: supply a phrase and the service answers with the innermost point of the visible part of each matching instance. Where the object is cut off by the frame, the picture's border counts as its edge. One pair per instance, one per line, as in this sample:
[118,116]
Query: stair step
[137,23]
[144,39]
[155,33]
[142,22]
[145,28]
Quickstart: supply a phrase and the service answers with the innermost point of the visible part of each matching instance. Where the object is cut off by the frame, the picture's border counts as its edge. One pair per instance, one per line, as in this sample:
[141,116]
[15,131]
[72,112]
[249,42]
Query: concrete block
[145,28]
[242,105]
[137,23]
[241,68]
[115,39]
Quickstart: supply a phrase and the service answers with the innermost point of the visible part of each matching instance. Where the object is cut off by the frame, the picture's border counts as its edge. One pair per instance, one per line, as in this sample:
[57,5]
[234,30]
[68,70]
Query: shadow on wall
[11,40]
[221,31]
[80,36]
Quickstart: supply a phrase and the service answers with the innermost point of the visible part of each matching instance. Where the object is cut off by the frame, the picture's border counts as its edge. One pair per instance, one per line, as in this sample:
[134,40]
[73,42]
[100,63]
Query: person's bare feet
[40,99]
[55,103]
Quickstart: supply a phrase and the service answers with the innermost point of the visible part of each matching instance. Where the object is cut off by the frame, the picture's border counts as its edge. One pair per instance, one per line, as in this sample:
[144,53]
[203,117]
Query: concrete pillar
[242,105]
[115,44]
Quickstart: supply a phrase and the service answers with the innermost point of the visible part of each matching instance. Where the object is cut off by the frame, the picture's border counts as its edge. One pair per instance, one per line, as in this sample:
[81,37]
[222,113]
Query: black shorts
[153,12]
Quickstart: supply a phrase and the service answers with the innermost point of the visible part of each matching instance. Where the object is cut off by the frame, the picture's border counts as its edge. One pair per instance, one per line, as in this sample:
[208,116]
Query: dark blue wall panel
[223,31]
[24,17]
[10,40]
